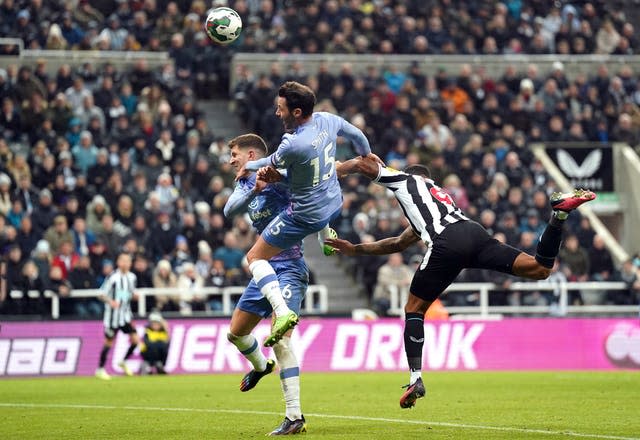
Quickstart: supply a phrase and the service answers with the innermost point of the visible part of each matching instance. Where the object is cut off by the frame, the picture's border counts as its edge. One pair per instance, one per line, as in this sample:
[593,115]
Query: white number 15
[329,162]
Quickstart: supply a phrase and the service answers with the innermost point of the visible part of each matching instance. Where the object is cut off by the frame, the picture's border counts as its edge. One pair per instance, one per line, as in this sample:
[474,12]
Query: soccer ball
[223,25]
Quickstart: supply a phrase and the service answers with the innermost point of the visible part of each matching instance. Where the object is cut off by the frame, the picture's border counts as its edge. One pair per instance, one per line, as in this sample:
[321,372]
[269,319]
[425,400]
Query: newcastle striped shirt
[120,287]
[428,207]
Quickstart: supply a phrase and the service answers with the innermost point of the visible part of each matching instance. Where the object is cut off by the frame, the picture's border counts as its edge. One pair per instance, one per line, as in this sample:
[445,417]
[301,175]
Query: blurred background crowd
[96,159]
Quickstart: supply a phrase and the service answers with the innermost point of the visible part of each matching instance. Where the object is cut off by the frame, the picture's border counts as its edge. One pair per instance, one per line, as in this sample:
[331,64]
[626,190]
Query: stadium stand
[96,157]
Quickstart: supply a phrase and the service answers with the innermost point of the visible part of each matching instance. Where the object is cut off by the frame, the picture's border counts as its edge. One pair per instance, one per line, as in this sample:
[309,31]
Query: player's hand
[342,246]
[269,175]
[375,158]
[114,304]
[259,186]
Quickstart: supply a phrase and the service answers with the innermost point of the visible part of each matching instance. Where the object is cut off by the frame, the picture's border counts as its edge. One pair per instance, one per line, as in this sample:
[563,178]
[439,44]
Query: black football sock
[414,339]
[103,355]
[132,347]
[549,243]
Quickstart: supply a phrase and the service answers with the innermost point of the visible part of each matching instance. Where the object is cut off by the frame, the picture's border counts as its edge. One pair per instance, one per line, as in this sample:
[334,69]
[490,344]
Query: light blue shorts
[284,231]
[293,277]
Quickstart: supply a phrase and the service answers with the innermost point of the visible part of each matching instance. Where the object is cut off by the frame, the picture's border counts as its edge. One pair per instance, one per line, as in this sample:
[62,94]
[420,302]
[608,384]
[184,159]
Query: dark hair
[298,96]
[418,170]
[249,141]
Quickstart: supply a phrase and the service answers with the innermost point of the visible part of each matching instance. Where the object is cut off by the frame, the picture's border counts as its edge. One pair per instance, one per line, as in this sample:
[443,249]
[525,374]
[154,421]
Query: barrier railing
[399,296]
[316,300]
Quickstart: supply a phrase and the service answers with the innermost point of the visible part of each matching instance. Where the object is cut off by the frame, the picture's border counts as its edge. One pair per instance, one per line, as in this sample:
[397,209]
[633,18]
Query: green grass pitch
[458,405]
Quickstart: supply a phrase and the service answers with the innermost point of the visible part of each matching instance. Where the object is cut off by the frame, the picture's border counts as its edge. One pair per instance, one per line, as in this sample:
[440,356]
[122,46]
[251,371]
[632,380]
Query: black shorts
[110,332]
[464,244]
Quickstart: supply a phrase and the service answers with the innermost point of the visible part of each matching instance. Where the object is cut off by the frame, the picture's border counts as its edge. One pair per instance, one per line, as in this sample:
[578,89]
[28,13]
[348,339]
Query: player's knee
[541,273]
[417,305]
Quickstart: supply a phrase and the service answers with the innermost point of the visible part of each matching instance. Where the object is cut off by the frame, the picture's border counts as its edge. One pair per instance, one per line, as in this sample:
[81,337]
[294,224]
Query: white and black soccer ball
[223,25]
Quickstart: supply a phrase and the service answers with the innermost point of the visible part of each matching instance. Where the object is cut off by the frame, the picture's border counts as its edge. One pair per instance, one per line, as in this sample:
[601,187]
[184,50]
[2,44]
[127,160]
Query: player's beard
[289,123]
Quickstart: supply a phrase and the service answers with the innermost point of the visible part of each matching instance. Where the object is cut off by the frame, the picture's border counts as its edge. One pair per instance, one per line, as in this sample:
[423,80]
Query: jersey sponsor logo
[34,356]
[439,194]
[259,215]
[253,204]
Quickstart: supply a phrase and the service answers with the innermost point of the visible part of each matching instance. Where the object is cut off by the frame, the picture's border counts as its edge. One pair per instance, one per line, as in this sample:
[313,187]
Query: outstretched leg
[539,267]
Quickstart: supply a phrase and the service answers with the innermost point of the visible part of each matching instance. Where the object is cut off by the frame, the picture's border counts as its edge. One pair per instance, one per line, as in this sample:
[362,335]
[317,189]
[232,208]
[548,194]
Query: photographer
[155,345]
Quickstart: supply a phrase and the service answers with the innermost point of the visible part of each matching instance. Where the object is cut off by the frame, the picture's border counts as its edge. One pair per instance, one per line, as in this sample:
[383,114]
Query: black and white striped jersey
[120,287]
[428,207]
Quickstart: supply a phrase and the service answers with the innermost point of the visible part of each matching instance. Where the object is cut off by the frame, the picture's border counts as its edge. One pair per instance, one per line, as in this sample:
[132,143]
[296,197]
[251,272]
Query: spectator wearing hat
[96,210]
[70,31]
[5,194]
[99,172]
[164,236]
[44,212]
[85,153]
[164,278]
[114,34]
[180,253]
[24,28]
[190,284]
[166,191]
[153,167]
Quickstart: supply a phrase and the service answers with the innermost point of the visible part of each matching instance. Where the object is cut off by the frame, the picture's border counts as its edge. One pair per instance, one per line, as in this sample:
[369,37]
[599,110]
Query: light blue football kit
[309,156]
[289,266]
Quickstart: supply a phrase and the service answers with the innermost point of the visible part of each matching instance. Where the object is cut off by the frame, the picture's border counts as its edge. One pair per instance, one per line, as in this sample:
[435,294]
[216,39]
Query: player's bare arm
[381,247]
[366,166]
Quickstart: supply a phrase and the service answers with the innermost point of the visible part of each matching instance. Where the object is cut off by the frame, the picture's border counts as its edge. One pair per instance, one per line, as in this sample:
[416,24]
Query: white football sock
[289,377]
[249,348]
[415,375]
[266,279]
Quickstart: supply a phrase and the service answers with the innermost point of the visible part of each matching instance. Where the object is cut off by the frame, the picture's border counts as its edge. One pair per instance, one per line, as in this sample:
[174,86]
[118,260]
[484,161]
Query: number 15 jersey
[309,155]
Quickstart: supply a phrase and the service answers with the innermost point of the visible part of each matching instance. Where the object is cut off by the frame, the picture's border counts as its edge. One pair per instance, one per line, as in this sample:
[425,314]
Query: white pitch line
[326,416]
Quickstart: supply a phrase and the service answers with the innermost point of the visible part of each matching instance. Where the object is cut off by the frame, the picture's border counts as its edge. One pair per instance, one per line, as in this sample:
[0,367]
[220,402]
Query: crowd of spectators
[93,163]
[94,160]
[333,26]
